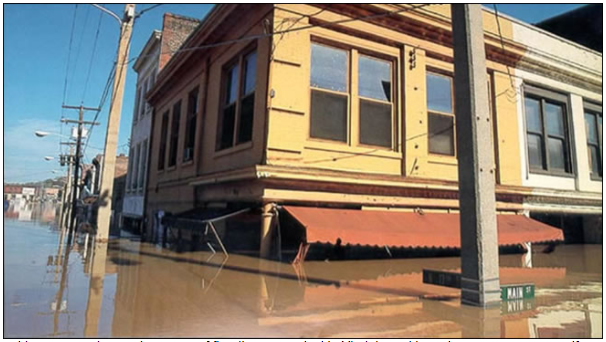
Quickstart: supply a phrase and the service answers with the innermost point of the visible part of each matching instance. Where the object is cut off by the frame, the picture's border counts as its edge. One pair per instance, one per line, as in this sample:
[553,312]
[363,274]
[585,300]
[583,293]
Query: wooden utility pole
[66,188]
[113,124]
[479,247]
[80,122]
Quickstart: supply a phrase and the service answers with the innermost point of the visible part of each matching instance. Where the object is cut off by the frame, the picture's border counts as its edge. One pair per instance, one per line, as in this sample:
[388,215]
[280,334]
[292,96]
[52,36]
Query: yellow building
[352,107]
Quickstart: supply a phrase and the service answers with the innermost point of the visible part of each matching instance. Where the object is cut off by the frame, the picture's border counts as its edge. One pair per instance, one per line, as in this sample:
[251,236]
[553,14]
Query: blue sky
[36,41]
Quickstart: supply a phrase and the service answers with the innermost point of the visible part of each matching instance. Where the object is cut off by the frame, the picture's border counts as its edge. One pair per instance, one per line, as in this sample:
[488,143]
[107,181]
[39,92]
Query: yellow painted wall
[289,142]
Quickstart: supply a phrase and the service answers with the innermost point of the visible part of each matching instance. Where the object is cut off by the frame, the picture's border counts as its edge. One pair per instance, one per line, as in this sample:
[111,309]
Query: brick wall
[175,30]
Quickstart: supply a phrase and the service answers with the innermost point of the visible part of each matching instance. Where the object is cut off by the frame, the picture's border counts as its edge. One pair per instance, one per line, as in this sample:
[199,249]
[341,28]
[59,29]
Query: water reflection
[23,210]
[129,289]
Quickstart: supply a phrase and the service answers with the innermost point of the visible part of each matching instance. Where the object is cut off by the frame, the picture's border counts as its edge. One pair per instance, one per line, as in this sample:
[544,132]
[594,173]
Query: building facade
[155,54]
[333,111]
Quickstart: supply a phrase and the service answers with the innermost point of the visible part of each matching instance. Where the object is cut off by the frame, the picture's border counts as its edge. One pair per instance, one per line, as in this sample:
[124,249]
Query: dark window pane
[131,164]
[557,157]
[246,118]
[374,79]
[533,115]
[328,116]
[555,119]
[375,123]
[441,134]
[191,123]
[174,134]
[594,160]
[590,128]
[328,68]
[439,93]
[535,151]
[163,138]
[226,134]
[600,128]
[231,85]
[137,99]
[250,69]
[143,165]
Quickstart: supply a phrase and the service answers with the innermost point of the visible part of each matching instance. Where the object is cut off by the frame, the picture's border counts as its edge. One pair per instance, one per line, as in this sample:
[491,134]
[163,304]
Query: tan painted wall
[289,142]
[169,189]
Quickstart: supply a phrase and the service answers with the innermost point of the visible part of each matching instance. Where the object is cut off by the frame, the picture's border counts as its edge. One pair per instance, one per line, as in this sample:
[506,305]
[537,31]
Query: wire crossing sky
[46,64]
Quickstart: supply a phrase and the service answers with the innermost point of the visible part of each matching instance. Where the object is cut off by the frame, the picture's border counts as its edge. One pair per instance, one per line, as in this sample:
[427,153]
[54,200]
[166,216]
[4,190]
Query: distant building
[28,193]
[12,192]
[582,25]
[91,186]
[51,193]
[160,46]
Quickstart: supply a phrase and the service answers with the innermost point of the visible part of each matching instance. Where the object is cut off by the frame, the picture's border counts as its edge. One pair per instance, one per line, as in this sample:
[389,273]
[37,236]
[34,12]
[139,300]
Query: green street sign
[516,292]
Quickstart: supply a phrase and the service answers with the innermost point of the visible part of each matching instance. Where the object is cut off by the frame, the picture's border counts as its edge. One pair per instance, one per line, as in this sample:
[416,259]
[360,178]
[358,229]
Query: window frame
[131,162]
[596,111]
[191,119]
[238,61]
[162,150]
[393,103]
[544,96]
[352,94]
[450,75]
[143,154]
[174,130]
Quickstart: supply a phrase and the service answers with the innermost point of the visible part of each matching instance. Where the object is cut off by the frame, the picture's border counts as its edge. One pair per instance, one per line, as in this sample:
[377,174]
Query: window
[136,167]
[440,112]
[236,118]
[142,101]
[331,91]
[131,163]
[137,104]
[174,134]
[376,108]
[593,128]
[190,125]
[163,138]
[546,131]
[147,89]
[142,164]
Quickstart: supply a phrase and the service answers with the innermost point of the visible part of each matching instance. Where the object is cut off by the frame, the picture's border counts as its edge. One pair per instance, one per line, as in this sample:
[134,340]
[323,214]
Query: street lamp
[41,134]
[49,158]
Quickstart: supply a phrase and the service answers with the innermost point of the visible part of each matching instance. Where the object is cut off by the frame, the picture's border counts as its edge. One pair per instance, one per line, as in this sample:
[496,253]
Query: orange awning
[403,229]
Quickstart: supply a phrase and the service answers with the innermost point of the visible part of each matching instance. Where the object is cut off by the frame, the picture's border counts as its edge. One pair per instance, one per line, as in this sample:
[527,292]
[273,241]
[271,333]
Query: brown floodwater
[130,289]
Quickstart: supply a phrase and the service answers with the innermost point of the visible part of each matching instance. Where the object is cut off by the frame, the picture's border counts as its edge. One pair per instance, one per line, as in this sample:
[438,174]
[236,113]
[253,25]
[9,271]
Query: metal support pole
[479,248]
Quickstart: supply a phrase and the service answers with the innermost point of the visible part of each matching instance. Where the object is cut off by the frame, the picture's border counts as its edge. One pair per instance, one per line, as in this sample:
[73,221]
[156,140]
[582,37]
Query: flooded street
[131,289]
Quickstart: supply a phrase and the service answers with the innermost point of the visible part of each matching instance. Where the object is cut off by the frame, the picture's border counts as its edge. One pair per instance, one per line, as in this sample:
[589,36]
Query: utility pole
[479,247]
[113,124]
[80,122]
[64,197]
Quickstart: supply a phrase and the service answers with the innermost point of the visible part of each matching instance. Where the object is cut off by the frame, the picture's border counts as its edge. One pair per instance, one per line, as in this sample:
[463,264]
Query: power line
[79,49]
[147,9]
[106,91]
[280,32]
[67,65]
[496,14]
[92,57]
[69,53]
